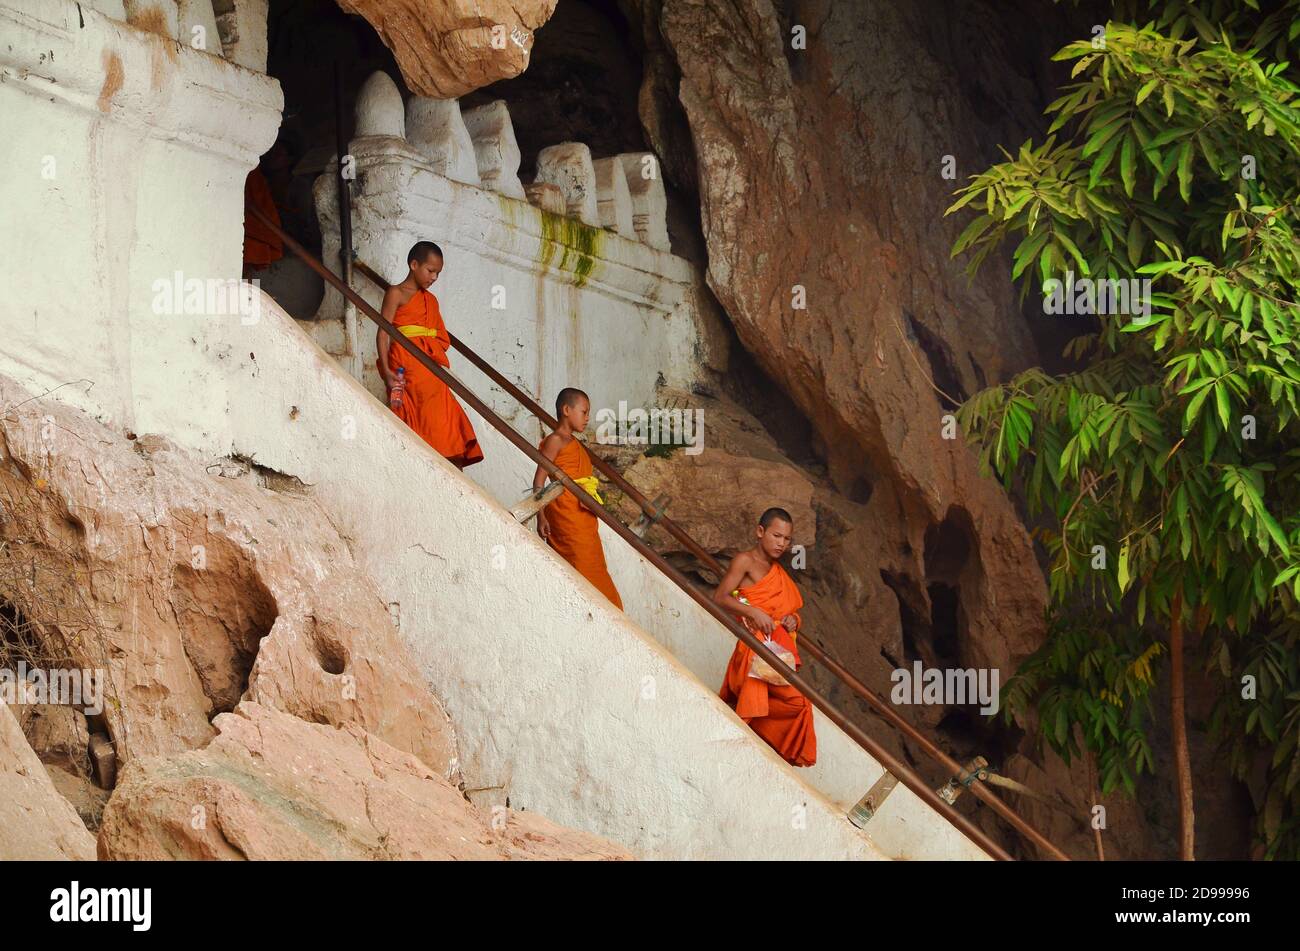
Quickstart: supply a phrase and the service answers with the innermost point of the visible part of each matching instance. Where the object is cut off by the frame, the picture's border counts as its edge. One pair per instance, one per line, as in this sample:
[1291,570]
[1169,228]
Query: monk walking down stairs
[763,598]
[565,524]
[423,401]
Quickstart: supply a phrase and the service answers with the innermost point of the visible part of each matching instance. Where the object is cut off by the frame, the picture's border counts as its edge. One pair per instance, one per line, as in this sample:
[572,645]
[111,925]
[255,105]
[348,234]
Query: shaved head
[421,251]
[568,396]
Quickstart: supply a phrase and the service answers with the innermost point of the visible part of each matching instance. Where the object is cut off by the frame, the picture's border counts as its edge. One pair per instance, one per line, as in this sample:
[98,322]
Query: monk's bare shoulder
[754,567]
[552,445]
[398,295]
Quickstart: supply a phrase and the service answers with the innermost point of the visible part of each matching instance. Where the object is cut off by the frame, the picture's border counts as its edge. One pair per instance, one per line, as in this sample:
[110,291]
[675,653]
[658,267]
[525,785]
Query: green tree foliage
[1164,469]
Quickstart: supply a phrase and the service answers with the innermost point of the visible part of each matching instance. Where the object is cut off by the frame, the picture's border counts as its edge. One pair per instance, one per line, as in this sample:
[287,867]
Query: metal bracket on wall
[869,804]
[659,506]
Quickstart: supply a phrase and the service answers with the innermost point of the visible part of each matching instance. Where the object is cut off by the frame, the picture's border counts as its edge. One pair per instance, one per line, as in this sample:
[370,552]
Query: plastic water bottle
[396,394]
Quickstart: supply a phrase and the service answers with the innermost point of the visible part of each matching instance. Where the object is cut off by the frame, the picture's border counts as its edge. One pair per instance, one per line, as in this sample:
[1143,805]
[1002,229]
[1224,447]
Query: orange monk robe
[780,715]
[574,531]
[428,405]
[262,246]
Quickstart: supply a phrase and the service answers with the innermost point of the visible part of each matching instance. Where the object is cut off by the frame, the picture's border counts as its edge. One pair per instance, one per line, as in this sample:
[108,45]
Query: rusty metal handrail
[819,653]
[886,759]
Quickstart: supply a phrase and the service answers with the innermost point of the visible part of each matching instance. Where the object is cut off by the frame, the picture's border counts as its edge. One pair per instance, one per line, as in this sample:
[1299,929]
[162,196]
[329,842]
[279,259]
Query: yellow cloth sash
[415,330]
[590,484]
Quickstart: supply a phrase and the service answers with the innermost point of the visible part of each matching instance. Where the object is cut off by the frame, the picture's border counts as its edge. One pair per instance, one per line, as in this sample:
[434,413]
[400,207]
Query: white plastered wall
[519,288]
[561,702]
[124,157]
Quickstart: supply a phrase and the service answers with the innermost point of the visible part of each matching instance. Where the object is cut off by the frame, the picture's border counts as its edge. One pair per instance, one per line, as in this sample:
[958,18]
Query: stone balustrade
[623,194]
[495,148]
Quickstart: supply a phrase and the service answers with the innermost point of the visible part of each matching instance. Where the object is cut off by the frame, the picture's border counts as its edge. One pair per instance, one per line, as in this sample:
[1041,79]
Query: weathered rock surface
[819,174]
[718,496]
[58,734]
[272,786]
[192,591]
[448,48]
[193,594]
[36,823]
[666,129]
[82,794]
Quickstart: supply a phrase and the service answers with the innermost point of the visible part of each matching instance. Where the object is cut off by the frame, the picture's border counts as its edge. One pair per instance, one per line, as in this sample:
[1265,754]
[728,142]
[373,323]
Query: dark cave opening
[307,42]
[912,615]
[944,611]
[749,386]
[948,546]
[970,733]
[321,56]
[581,85]
[942,370]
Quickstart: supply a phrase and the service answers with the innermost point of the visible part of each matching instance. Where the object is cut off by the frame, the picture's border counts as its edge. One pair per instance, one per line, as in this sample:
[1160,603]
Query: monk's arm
[551,447]
[381,338]
[730,582]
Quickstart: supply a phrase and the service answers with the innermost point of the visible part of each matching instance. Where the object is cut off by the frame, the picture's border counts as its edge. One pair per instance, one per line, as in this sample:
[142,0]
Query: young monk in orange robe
[428,405]
[262,246]
[757,589]
[565,524]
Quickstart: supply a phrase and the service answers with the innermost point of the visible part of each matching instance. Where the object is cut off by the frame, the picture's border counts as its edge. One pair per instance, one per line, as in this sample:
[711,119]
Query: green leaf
[1193,408]
[1185,171]
[1221,397]
[1286,575]
[1160,267]
[1070,246]
[971,233]
[1101,163]
[1195,385]
[1136,242]
[1027,251]
[1101,134]
[1128,165]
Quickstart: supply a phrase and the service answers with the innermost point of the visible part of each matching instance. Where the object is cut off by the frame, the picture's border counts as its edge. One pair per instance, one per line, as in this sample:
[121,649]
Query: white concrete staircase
[562,703]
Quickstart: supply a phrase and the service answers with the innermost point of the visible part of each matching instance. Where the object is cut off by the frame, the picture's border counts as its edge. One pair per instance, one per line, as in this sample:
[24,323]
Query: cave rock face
[820,172]
[36,823]
[187,589]
[272,786]
[448,48]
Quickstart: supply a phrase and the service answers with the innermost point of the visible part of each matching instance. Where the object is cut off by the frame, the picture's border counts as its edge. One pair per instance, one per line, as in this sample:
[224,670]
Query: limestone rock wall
[257,698]
[36,823]
[192,592]
[819,175]
[447,48]
[327,794]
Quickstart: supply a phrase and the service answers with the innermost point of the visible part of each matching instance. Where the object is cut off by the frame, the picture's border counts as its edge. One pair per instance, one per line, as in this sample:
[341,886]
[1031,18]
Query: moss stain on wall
[578,243]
